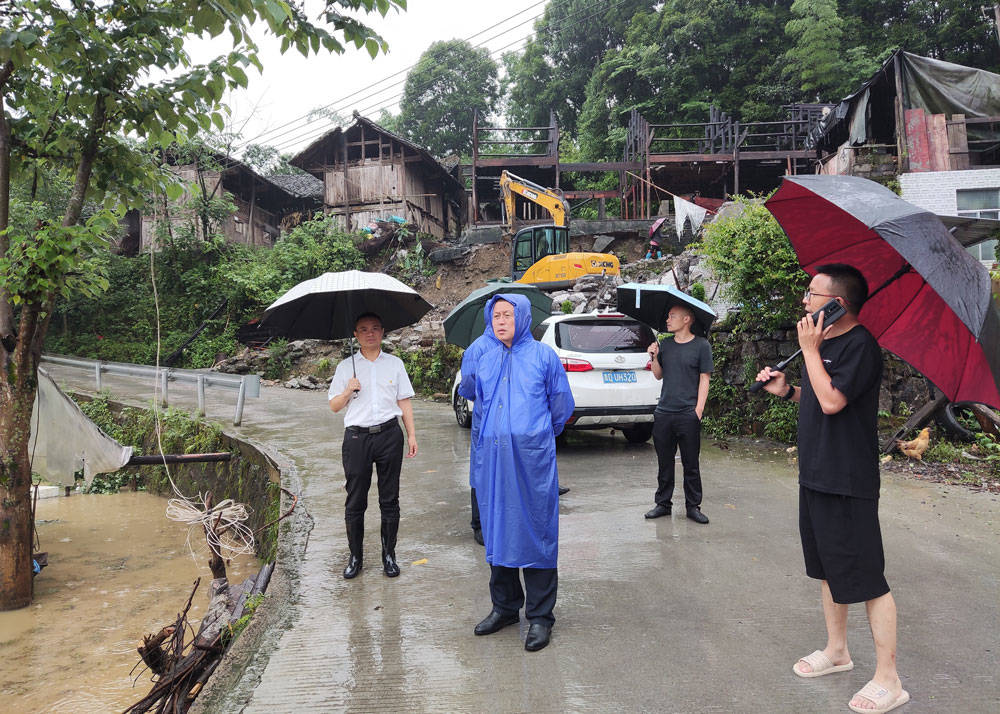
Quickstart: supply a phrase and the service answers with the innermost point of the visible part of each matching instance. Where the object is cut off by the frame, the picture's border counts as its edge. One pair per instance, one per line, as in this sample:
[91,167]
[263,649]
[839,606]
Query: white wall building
[974,193]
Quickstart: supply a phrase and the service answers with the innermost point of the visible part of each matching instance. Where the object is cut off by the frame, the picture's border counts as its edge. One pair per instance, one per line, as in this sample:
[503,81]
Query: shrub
[431,370]
[754,258]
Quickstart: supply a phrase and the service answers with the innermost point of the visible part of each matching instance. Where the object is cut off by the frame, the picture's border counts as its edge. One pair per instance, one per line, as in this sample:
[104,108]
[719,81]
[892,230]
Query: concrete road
[664,616]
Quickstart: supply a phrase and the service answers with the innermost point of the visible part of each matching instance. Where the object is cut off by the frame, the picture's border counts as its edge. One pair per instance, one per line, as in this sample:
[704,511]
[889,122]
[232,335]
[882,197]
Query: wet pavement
[662,615]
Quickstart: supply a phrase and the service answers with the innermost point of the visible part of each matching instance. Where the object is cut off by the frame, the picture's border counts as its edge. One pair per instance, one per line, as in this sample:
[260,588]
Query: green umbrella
[466,321]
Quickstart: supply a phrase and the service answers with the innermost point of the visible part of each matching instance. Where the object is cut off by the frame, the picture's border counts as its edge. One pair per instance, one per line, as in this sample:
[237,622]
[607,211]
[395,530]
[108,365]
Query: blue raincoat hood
[522,317]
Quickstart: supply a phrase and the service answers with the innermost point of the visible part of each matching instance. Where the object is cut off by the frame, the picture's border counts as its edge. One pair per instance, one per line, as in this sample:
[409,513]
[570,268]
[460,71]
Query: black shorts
[842,544]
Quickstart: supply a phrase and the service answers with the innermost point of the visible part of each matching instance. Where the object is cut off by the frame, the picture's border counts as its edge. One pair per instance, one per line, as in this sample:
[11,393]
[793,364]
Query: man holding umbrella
[839,481]
[684,363]
[376,390]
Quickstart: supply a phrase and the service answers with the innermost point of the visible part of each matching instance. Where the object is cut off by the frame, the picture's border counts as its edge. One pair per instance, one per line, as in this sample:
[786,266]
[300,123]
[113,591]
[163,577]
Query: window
[980,203]
[522,253]
[603,335]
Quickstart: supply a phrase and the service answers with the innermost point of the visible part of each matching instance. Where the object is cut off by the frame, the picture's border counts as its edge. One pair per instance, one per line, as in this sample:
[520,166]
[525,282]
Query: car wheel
[638,434]
[462,414]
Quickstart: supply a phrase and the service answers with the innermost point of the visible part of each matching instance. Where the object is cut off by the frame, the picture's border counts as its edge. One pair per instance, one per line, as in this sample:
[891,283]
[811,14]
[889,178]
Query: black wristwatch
[790,393]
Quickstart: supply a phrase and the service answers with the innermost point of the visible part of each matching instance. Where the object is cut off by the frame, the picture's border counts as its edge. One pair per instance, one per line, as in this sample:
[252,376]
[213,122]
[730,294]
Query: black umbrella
[651,303]
[326,308]
[467,320]
[930,300]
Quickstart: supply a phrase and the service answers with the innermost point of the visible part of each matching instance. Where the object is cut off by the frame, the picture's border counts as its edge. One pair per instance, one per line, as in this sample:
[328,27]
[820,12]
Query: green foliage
[819,60]
[697,291]
[555,67]
[235,629]
[136,428]
[781,420]
[193,278]
[751,254]
[727,412]
[566,307]
[451,81]
[432,369]
[278,360]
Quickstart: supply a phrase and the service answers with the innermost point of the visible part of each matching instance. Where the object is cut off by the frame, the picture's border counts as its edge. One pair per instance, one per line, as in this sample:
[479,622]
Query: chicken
[915,448]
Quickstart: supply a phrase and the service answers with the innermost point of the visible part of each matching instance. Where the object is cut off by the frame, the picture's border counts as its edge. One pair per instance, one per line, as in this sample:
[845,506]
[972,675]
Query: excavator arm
[549,199]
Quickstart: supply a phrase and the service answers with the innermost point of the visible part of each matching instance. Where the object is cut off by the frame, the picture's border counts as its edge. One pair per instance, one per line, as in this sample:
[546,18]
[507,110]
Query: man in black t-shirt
[684,363]
[839,481]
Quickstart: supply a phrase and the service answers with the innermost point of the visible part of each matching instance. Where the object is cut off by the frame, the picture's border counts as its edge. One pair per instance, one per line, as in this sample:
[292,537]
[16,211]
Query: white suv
[604,355]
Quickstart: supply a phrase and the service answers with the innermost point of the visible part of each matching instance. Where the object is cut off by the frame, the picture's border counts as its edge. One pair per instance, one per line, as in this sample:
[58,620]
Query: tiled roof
[301,185]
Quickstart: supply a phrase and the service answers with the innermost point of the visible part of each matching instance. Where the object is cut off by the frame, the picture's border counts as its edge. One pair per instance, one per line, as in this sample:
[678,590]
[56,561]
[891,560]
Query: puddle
[118,569]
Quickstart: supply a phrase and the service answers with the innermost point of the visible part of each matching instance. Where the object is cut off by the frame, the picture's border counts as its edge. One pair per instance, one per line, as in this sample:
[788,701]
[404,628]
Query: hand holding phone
[832,311]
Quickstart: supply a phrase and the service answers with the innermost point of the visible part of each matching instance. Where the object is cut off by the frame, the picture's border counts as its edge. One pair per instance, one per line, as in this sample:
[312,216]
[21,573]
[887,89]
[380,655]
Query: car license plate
[619,377]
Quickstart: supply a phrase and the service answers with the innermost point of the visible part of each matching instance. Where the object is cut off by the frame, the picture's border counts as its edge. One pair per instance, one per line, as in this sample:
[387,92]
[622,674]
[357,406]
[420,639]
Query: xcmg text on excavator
[540,255]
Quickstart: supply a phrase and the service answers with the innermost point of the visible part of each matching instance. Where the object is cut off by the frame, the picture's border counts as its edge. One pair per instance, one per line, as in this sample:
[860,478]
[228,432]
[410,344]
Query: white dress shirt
[383,383]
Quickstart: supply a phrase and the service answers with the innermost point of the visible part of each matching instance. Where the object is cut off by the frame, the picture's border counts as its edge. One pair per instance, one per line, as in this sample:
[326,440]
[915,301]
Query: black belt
[374,429]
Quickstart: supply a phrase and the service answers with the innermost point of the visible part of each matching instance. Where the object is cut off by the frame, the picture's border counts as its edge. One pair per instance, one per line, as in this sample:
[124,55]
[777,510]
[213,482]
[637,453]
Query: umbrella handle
[757,386]
[354,368]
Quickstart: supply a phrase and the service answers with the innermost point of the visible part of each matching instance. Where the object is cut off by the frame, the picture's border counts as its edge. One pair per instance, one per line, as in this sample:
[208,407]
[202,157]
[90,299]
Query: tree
[74,86]
[553,71]
[816,59]
[451,81]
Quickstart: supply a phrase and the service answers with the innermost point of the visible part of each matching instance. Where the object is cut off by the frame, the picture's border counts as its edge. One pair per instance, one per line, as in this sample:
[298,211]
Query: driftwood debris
[181,669]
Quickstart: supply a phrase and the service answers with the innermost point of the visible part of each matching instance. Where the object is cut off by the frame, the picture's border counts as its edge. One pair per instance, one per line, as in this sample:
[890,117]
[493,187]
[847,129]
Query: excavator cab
[534,243]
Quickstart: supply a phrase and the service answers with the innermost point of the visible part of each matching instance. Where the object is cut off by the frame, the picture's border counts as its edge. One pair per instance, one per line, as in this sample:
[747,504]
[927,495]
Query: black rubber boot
[355,538]
[389,530]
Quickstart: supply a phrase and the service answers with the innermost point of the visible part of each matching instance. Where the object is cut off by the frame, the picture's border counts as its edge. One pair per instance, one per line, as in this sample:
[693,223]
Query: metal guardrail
[245,385]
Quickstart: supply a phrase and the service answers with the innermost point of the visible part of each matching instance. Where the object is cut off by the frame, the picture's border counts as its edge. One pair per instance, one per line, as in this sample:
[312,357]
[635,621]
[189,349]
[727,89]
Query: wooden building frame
[370,174]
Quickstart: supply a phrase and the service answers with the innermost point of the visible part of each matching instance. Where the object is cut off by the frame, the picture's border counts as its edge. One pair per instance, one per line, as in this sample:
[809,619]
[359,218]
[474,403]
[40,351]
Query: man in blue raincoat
[524,397]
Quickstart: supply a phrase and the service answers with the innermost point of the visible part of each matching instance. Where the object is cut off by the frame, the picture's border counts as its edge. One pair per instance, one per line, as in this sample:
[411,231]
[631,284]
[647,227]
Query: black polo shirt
[838,453]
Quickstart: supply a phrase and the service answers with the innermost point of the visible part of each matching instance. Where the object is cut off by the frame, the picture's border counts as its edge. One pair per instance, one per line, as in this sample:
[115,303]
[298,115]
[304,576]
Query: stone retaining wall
[748,352]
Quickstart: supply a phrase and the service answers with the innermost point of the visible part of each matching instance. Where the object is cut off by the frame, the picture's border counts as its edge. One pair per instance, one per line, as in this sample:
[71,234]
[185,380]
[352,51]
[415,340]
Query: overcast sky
[291,86]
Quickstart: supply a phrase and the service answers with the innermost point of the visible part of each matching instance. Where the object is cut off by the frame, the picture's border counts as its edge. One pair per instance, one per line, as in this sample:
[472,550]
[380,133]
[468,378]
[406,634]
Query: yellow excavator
[540,255]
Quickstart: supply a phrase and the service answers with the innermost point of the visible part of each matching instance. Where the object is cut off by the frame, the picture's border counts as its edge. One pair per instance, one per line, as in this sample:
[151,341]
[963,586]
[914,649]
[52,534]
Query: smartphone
[832,312]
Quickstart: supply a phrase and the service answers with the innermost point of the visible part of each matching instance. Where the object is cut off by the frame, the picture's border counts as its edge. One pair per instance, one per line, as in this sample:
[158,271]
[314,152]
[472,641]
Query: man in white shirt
[376,390]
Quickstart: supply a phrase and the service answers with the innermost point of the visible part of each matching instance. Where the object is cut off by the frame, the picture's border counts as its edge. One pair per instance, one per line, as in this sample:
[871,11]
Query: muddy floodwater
[118,569]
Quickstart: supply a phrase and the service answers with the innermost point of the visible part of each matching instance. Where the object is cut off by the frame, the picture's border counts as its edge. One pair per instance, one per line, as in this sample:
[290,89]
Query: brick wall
[935,190]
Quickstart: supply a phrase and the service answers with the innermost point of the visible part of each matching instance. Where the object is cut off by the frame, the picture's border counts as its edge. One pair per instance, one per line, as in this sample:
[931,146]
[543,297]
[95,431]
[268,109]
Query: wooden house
[370,174]
[264,205]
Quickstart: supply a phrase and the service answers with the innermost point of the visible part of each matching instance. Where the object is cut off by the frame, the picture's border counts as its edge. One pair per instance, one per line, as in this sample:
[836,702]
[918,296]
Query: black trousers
[360,452]
[476,523]
[671,431]
[540,584]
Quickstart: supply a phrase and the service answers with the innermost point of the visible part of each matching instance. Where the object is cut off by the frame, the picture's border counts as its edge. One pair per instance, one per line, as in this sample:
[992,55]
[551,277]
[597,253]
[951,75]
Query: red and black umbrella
[930,300]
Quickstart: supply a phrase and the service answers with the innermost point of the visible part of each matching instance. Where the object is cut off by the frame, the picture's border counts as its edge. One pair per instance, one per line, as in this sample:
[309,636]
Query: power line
[312,133]
[402,71]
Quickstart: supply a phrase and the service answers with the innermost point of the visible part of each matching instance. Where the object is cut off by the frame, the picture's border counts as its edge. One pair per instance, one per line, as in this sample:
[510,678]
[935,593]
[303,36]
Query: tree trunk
[17,396]
[18,385]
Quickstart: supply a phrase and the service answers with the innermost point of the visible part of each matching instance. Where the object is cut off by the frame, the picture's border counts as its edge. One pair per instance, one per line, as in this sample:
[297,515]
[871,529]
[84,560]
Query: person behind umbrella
[684,363]
[654,251]
[839,481]
[376,390]
[467,389]
[522,390]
